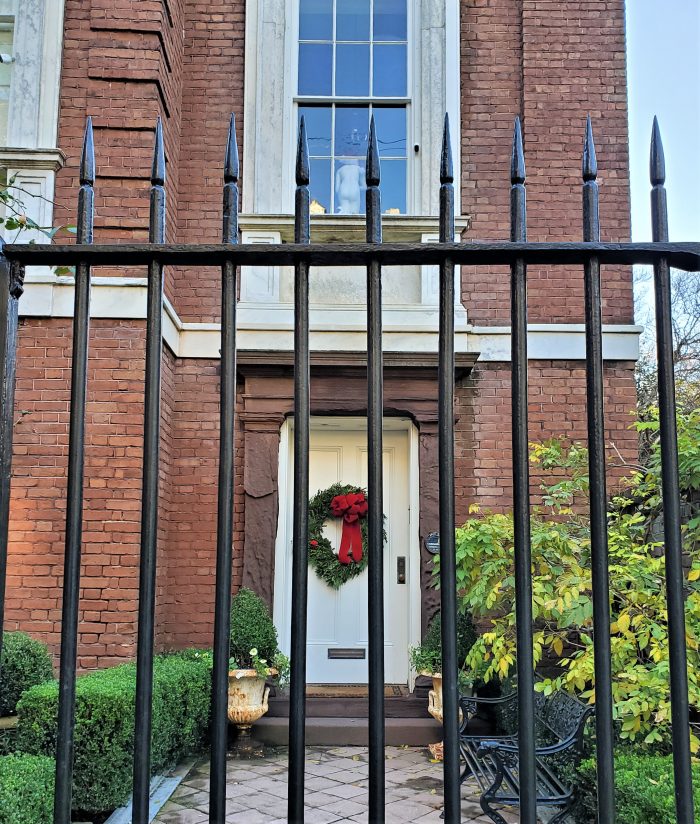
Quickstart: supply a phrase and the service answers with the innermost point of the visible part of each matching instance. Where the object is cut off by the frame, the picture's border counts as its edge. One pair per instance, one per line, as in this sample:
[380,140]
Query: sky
[663,74]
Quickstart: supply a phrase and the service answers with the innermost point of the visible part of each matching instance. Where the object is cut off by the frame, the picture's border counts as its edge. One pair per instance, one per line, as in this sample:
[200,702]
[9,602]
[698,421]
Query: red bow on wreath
[350,508]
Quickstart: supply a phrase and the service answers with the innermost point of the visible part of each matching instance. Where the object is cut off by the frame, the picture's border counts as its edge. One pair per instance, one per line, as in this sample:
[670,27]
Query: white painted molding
[555,341]
[17,158]
[333,328]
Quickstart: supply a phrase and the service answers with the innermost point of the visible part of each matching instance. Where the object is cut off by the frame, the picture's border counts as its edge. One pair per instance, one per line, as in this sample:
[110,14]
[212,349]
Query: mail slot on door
[401,570]
[346,652]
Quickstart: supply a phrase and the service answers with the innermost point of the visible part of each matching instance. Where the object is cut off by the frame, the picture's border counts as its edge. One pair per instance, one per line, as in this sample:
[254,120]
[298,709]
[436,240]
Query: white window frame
[270,117]
[331,100]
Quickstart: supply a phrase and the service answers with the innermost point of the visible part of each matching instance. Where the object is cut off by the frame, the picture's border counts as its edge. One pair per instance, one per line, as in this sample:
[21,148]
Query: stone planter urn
[435,697]
[247,698]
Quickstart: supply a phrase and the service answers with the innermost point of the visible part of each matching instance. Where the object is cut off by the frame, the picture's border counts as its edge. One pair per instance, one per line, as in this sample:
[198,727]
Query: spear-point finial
[517,160]
[657,162]
[231,160]
[446,173]
[302,168]
[87,159]
[372,170]
[158,168]
[590,163]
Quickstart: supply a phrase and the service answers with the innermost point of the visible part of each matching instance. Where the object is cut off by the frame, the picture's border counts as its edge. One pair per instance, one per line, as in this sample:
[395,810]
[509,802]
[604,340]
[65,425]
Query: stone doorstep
[340,732]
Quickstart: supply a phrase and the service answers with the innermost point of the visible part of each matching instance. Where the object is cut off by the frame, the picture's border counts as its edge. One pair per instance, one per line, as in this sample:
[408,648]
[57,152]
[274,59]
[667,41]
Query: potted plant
[255,659]
[426,659]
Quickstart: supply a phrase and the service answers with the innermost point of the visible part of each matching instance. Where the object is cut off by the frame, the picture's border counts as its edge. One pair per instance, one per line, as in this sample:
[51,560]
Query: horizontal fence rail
[518,254]
[684,256]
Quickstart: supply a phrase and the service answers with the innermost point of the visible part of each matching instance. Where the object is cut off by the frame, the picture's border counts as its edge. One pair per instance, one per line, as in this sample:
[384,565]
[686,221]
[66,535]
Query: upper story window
[353,63]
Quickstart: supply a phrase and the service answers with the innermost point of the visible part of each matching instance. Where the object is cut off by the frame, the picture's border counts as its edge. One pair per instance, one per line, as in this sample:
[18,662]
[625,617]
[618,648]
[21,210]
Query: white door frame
[282,600]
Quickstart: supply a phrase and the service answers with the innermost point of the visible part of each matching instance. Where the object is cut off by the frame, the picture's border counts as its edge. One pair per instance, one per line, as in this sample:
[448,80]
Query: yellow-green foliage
[561,580]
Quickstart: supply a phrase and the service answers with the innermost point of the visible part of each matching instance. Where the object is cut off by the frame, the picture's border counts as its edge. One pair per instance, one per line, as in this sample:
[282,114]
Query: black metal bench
[493,760]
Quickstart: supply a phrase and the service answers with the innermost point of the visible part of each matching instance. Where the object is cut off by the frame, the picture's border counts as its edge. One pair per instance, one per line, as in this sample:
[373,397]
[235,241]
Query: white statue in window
[349,185]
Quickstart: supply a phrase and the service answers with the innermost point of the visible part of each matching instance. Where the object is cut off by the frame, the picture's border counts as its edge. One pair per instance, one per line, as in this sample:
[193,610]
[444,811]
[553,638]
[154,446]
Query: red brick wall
[551,63]
[556,406]
[114,426]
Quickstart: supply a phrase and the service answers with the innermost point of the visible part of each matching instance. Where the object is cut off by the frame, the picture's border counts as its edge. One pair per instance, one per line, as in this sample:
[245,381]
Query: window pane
[349,186]
[316,20]
[391,131]
[390,71]
[320,186]
[318,129]
[390,19]
[351,127]
[393,187]
[315,63]
[352,20]
[351,70]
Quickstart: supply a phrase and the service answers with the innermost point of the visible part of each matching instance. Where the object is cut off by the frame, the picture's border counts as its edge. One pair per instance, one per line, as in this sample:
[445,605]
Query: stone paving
[336,789]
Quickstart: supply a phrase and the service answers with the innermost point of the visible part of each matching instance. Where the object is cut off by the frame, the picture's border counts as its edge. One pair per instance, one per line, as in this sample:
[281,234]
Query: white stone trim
[333,328]
[31,156]
[555,341]
[36,76]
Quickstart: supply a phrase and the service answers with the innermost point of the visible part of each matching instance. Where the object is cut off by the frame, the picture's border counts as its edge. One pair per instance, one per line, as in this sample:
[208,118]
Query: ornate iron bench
[493,761]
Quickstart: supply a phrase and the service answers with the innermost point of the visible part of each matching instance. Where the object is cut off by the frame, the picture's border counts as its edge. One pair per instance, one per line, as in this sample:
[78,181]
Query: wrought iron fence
[302,254]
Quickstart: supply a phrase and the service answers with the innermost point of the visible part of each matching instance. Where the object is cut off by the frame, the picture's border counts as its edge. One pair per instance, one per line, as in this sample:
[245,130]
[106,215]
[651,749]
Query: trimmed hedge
[104,724]
[643,789]
[25,662]
[251,628]
[26,789]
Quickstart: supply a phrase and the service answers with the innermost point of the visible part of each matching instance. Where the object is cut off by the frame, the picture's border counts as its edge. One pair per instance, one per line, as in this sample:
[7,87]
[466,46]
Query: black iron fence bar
[684,256]
[598,492]
[300,527]
[74,493]
[448,581]
[521,492]
[673,546]
[11,287]
[224,526]
[149,494]
[375,518]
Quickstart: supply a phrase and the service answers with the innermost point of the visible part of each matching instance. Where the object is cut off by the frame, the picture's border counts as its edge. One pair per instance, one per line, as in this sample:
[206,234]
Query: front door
[337,619]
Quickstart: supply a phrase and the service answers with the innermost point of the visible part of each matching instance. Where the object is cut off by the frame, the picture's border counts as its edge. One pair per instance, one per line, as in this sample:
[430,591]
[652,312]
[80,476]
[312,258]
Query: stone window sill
[349,228]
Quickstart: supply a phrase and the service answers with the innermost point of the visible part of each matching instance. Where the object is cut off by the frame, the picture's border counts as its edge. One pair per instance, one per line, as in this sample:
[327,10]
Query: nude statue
[349,184]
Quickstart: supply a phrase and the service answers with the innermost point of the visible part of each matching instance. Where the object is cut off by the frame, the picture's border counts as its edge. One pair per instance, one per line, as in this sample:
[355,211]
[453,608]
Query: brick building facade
[193,62]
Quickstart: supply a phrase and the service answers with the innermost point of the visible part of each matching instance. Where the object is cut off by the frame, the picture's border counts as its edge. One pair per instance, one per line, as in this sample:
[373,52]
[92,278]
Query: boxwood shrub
[25,662]
[643,788]
[251,628]
[104,724]
[26,789]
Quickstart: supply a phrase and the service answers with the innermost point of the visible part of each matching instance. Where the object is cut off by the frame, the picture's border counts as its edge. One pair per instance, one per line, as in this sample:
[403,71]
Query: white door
[337,619]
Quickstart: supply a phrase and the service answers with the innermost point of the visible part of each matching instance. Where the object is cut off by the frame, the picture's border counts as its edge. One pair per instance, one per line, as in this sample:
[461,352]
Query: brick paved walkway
[336,789]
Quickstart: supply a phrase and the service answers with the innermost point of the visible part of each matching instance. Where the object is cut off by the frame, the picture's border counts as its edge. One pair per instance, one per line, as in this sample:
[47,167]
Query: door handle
[401,569]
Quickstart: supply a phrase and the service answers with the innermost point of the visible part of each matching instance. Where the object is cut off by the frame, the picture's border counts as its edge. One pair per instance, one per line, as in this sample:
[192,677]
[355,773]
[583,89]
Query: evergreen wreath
[321,554]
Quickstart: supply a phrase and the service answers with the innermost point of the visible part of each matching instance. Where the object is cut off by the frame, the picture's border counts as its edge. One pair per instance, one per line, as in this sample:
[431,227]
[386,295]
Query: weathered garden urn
[247,698]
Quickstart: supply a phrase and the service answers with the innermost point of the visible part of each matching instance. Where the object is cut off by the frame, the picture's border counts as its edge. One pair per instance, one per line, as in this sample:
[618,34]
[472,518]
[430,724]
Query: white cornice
[332,328]
[48,159]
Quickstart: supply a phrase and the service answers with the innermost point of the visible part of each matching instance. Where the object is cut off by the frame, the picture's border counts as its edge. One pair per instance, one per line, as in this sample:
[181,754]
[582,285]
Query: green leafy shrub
[26,789]
[428,656]
[561,582]
[643,789]
[251,628]
[104,724]
[25,662]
